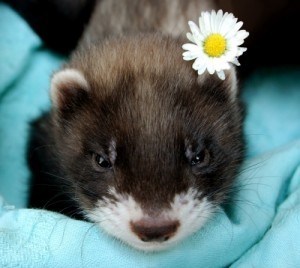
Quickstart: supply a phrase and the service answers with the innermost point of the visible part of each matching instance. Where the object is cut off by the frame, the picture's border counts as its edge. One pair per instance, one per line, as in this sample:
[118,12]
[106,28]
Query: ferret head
[150,148]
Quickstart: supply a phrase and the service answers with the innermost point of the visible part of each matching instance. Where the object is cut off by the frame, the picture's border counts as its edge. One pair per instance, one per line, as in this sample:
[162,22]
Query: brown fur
[150,102]
[150,107]
[127,17]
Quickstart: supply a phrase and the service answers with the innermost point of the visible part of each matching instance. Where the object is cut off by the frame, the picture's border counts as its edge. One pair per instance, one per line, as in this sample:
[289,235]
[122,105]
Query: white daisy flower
[216,43]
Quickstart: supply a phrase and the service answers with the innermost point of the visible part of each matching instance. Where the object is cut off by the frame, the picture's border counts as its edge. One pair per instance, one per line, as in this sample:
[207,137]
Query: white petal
[202,26]
[228,24]
[237,42]
[190,55]
[221,64]
[232,50]
[235,61]
[238,26]
[210,67]
[187,56]
[191,47]
[241,50]
[219,20]
[206,20]
[220,13]
[215,64]
[224,17]
[190,37]
[242,34]
[221,75]
[225,65]
[213,16]
[201,69]
[230,55]
[234,30]
[196,33]
[199,63]
[232,24]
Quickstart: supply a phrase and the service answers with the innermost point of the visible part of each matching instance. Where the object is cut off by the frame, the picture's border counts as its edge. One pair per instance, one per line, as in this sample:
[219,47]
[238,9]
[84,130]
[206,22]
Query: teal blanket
[262,229]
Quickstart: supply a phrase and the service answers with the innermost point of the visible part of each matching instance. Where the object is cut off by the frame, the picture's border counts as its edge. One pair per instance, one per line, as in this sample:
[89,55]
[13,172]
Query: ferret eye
[102,162]
[202,158]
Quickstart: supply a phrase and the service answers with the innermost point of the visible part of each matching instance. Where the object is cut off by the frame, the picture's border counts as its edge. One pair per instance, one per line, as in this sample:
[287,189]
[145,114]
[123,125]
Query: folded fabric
[260,228]
[25,68]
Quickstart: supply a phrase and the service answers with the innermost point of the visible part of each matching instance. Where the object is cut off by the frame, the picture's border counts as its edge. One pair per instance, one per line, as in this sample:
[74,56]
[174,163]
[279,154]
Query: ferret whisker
[70,185]
[42,147]
[104,216]
[62,179]
[51,202]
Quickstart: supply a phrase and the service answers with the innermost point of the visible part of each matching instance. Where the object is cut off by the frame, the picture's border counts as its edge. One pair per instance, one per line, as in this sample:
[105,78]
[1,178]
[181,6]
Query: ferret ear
[69,88]
[227,88]
[232,84]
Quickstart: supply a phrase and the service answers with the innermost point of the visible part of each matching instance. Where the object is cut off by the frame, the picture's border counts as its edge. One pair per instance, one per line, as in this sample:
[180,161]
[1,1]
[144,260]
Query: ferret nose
[151,230]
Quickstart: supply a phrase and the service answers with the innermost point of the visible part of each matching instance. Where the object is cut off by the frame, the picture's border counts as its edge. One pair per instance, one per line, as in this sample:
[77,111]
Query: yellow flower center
[215,45]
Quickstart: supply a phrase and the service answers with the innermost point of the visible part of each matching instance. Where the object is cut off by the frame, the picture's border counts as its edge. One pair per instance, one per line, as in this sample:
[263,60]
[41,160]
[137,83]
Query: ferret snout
[154,230]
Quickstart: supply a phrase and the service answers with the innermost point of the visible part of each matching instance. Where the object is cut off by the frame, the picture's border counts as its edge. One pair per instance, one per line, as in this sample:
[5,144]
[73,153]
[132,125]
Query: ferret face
[150,148]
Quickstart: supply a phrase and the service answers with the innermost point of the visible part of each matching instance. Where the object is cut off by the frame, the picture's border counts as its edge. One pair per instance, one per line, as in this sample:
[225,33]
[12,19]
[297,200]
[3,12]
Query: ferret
[135,140]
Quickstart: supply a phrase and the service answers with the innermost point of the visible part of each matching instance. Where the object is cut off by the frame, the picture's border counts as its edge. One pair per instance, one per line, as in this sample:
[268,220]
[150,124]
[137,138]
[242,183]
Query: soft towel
[261,229]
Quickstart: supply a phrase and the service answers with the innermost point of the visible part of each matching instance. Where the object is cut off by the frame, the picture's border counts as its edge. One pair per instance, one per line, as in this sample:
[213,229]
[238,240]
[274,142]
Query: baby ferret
[135,140]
